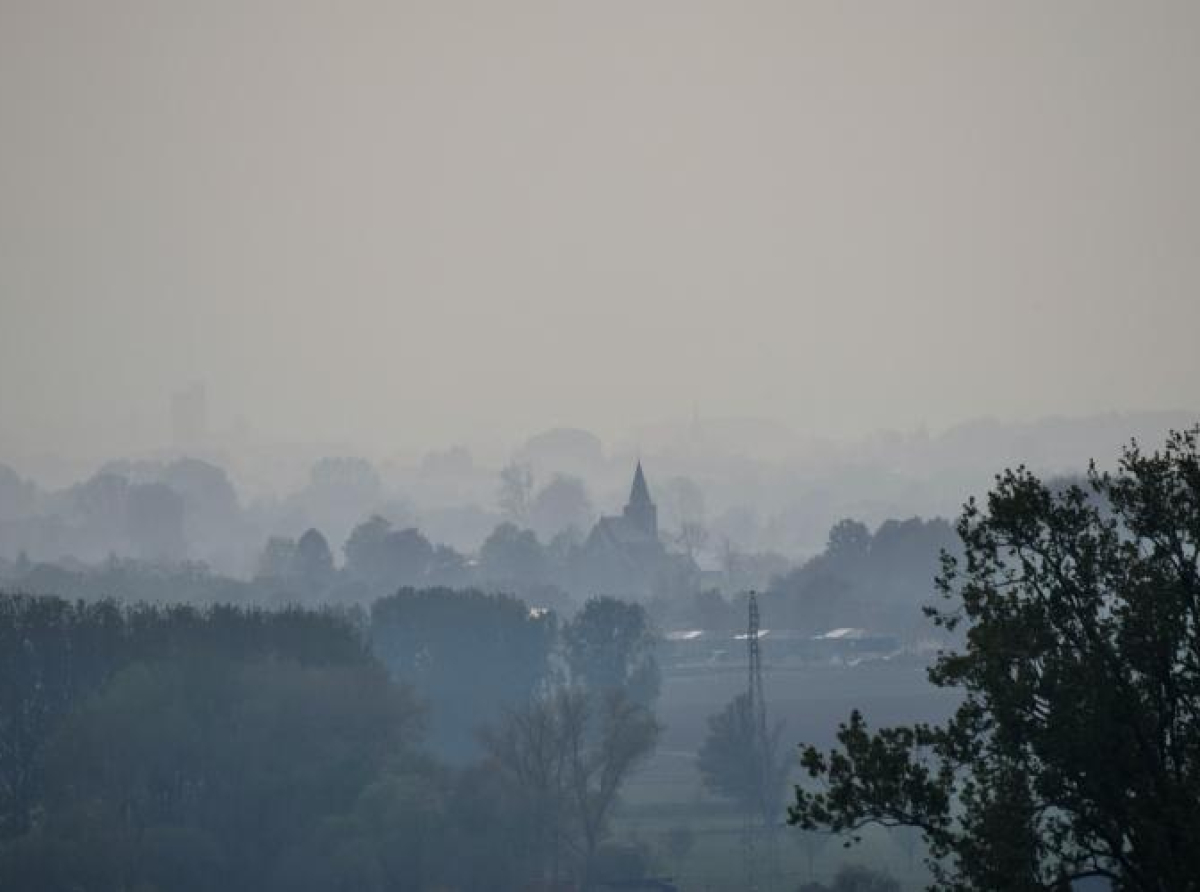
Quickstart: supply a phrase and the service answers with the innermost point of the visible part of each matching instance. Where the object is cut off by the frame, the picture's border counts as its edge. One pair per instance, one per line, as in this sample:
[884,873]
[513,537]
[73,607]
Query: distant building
[623,555]
[843,647]
[635,527]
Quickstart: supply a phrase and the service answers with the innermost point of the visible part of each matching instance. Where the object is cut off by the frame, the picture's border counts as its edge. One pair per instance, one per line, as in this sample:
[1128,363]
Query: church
[636,526]
[623,555]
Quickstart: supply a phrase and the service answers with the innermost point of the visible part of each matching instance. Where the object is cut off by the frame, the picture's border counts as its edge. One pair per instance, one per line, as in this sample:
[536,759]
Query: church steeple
[641,510]
[639,493]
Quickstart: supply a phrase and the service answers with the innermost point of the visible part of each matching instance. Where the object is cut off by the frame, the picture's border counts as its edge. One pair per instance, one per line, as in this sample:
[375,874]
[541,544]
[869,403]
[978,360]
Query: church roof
[620,531]
[639,493]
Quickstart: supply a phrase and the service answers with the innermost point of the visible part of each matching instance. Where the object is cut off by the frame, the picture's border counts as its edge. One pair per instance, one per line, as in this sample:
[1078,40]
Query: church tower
[641,512]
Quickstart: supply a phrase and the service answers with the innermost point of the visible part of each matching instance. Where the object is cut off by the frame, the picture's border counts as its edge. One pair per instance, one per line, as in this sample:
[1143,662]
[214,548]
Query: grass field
[667,794]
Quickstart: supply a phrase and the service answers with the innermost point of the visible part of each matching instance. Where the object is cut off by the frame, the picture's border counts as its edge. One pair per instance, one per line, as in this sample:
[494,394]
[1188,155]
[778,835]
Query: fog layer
[404,225]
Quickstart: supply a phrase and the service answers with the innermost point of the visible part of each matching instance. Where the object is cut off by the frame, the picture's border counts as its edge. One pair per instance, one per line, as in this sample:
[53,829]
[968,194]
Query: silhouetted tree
[512,558]
[610,645]
[277,559]
[855,879]
[203,773]
[314,560]
[733,765]
[385,557]
[567,756]
[54,654]
[469,655]
[1076,749]
[562,504]
[516,490]
[848,540]
[209,498]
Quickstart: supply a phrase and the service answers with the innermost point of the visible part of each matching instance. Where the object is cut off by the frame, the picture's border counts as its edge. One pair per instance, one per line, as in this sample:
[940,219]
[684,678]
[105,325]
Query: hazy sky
[407,224]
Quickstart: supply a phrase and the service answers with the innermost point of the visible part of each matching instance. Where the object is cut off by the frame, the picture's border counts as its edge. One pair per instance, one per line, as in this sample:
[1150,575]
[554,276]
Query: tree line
[180,747]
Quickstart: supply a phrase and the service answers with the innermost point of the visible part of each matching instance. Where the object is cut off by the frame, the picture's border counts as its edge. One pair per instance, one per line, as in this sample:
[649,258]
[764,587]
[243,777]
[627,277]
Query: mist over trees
[725,506]
[463,721]
[874,579]
[560,447]
[437,641]
[431,716]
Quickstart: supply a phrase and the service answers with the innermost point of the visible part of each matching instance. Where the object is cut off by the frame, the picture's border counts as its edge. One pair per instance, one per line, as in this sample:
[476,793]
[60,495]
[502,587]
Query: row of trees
[149,510]
[179,748]
[183,748]
[878,580]
[478,655]
[869,578]
[380,557]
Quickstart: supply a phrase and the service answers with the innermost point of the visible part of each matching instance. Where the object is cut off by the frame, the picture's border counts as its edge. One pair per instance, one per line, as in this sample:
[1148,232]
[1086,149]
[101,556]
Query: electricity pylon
[759,858]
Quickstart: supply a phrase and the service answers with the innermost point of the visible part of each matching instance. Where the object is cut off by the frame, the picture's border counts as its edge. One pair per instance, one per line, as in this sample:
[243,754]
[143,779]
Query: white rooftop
[844,634]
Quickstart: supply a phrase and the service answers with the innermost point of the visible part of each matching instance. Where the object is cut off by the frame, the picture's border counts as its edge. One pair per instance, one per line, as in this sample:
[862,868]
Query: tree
[566,757]
[609,645]
[447,567]
[691,537]
[202,773]
[512,557]
[734,765]
[1076,749]
[385,557]
[102,504]
[848,540]
[469,655]
[277,559]
[364,548]
[209,499]
[683,503]
[314,560]
[516,488]
[562,504]
[856,879]
[55,654]
[862,579]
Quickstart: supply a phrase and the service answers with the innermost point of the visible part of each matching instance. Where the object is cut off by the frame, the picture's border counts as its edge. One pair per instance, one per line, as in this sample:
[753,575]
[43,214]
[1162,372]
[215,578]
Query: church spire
[640,515]
[639,493]
[641,511]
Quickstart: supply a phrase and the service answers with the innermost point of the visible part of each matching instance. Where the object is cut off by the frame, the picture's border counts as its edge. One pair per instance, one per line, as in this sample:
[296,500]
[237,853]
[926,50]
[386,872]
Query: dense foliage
[472,654]
[184,748]
[874,580]
[1076,749]
[610,645]
[734,763]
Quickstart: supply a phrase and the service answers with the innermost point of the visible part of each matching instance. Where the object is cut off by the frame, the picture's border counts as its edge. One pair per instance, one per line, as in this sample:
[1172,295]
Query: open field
[667,793]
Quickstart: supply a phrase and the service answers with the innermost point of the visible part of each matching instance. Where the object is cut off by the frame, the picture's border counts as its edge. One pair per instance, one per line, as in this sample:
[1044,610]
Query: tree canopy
[472,654]
[1075,751]
[610,644]
[733,763]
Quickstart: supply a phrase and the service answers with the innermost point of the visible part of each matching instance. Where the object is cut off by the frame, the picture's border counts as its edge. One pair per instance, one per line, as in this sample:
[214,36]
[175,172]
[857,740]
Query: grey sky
[407,224]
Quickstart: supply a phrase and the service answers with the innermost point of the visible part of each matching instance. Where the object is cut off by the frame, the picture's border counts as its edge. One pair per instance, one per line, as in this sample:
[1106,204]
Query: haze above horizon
[421,224]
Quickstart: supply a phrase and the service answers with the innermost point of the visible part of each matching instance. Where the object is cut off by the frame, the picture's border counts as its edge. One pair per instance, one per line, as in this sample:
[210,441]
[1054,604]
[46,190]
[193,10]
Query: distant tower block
[189,416]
